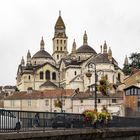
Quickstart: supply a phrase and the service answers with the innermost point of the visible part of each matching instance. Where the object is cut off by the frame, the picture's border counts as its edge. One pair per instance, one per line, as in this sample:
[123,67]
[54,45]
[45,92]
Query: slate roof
[48,84]
[85,49]
[42,54]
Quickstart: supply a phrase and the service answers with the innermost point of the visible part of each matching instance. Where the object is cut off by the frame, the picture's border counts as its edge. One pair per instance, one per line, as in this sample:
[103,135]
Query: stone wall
[77,134]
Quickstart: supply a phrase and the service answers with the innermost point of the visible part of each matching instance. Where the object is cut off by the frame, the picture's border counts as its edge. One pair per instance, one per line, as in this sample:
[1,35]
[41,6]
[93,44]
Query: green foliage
[58,103]
[134,63]
[103,86]
[135,60]
[126,69]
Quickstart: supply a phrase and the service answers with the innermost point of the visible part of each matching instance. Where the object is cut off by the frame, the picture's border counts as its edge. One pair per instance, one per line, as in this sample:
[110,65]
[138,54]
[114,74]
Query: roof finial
[105,47]
[59,13]
[110,54]
[74,47]
[101,48]
[42,44]
[22,61]
[85,39]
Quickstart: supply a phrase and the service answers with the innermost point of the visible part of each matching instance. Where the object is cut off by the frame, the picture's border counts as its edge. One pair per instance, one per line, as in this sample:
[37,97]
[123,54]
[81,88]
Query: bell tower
[59,40]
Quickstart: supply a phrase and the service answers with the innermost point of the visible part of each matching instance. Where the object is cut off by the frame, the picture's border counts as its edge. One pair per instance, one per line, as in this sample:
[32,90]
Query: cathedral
[44,71]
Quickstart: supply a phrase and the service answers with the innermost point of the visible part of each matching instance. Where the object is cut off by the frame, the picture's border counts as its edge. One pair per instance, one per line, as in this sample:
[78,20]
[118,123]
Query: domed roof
[42,54]
[85,49]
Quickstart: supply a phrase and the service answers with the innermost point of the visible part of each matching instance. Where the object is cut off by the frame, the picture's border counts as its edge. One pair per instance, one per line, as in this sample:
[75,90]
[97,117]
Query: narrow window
[47,102]
[41,75]
[64,41]
[29,77]
[75,73]
[57,56]
[47,75]
[61,41]
[61,48]
[81,101]
[119,77]
[57,41]
[53,76]
[29,103]
[114,101]
[57,48]
[99,100]
[79,58]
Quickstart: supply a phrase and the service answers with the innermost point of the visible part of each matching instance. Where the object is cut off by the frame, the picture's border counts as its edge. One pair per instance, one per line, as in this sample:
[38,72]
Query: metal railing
[20,121]
[23,121]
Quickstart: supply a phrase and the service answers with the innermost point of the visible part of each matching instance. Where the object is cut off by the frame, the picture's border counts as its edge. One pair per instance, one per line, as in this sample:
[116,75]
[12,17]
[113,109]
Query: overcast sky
[24,22]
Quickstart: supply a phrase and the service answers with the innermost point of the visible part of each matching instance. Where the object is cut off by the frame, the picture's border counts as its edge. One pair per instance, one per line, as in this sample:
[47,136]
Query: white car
[8,120]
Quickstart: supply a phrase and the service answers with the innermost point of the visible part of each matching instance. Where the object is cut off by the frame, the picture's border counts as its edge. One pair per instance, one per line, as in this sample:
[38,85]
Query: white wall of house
[114,105]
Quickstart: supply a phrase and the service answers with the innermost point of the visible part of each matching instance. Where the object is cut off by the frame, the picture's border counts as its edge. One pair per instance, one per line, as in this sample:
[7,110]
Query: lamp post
[61,107]
[92,65]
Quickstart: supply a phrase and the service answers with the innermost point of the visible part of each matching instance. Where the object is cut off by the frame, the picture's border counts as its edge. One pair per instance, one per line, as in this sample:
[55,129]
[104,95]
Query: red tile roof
[41,94]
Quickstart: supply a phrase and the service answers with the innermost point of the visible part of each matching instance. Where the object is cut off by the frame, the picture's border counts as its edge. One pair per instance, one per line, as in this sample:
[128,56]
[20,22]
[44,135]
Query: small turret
[101,48]
[85,38]
[105,47]
[42,44]
[110,54]
[22,62]
[73,47]
[126,60]
[28,58]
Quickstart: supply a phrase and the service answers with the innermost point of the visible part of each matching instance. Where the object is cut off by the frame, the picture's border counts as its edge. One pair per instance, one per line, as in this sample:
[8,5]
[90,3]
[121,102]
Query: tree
[134,63]
[135,60]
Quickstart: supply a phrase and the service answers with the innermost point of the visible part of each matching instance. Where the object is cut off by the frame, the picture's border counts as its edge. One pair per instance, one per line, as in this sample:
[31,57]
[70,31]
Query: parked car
[67,121]
[8,120]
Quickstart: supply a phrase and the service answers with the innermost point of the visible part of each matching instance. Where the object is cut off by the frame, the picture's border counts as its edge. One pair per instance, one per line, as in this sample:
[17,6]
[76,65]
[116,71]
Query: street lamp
[61,101]
[92,65]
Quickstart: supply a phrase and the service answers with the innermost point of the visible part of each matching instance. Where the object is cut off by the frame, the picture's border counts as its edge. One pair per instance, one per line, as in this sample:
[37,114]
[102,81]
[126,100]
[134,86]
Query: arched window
[47,75]
[79,58]
[41,75]
[57,56]
[57,41]
[119,76]
[61,48]
[53,76]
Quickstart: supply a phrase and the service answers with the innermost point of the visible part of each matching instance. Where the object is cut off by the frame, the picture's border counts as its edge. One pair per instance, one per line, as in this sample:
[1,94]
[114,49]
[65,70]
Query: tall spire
[85,38]
[110,54]
[59,13]
[28,54]
[73,47]
[126,60]
[42,44]
[105,47]
[59,23]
